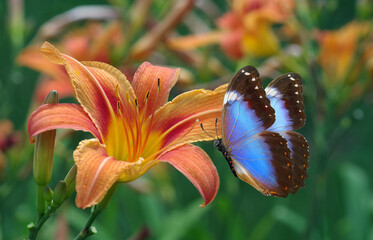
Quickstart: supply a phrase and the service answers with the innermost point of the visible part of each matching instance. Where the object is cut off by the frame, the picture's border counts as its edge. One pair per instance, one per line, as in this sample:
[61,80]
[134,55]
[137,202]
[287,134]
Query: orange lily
[133,124]
[339,50]
[248,27]
[245,30]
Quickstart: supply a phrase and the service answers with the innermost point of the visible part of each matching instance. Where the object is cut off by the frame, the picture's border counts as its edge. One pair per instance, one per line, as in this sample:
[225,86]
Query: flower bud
[70,180]
[59,194]
[44,148]
[48,194]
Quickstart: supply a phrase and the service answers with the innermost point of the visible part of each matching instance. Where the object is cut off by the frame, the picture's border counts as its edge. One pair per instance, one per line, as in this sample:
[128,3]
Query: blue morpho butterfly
[257,138]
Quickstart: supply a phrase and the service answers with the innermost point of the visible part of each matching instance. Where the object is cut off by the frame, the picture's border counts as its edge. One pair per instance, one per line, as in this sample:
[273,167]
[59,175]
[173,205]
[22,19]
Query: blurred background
[329,43]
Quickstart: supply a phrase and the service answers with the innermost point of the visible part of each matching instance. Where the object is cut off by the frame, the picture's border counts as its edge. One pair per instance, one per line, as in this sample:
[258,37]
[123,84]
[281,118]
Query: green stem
[88,230]
[39,223]
[41,204]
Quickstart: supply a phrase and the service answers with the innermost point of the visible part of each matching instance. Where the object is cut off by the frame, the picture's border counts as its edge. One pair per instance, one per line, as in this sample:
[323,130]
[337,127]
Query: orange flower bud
[44,148]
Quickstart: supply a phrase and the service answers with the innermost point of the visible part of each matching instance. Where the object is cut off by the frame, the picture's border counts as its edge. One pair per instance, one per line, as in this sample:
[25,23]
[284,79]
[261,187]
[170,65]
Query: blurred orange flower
[248,27]
[91,42]
[338,49]
[8,138]
[133,124]
[97,42]
[345,54]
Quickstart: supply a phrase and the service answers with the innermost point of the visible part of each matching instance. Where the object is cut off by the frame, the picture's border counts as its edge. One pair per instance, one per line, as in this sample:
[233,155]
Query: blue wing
[285,95]
[246,109]
[263,161]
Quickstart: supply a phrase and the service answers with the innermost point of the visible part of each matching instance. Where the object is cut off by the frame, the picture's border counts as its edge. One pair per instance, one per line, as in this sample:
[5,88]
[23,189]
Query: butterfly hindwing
[299,154]
[263,161]
[246,109]
[285,95]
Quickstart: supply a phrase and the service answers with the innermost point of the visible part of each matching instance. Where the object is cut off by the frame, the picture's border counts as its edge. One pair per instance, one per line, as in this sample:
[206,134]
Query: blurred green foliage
[337,202]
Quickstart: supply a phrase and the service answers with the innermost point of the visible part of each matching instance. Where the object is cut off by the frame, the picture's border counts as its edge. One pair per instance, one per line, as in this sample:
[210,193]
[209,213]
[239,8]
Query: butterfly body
[257,138]
[220,146]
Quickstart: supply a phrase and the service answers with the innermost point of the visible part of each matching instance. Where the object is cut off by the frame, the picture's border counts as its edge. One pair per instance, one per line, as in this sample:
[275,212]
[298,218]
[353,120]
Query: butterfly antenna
[205,131]
[216,127]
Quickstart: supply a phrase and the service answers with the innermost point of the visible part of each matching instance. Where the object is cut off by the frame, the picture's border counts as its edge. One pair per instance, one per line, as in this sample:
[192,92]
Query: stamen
[128,97]
[138,130]
[118,108]
[125,123]
[164,148]
[145,114]
[117,90]
[136,104]
[198,115]
[146,96]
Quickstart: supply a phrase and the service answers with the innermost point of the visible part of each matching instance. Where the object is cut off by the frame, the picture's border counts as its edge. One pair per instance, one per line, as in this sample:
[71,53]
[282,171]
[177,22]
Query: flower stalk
[88,229]
[43,158]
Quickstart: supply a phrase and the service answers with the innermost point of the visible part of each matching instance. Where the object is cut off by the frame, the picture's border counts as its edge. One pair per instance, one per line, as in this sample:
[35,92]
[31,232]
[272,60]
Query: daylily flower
[339,50]
[346,60]
[245,30]
[248,27]
[133,124]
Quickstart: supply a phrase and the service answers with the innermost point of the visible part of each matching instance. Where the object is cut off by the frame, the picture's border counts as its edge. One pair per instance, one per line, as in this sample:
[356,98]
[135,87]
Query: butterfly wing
[263,161]
[299,156]
[285,95]
[246,109]
[261,158]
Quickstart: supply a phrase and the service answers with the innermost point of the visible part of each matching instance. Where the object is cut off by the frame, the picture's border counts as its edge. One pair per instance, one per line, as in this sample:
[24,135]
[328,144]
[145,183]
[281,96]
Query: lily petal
[98,86]
[146,78]
[178,119]
[96,173]
[65,115]
[196,165]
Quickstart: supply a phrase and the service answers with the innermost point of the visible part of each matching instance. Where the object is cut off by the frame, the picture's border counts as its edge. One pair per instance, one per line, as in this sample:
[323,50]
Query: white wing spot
[231,96]
[256,87]
[253,79]
[243,70]
[247,73]
[291,78]
[296,93]
[297,101]
[273,92]
[266,106]
[295,85]
[260,96]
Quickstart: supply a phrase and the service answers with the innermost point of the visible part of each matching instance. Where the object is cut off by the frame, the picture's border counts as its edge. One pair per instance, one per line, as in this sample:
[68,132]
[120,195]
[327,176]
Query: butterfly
[258,140]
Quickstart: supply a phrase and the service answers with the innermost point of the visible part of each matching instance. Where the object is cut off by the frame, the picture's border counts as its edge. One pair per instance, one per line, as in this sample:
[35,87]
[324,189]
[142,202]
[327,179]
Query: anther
[117,90]
[136,102]
[159,84]
[147,95]
[118,107]
[128,96]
